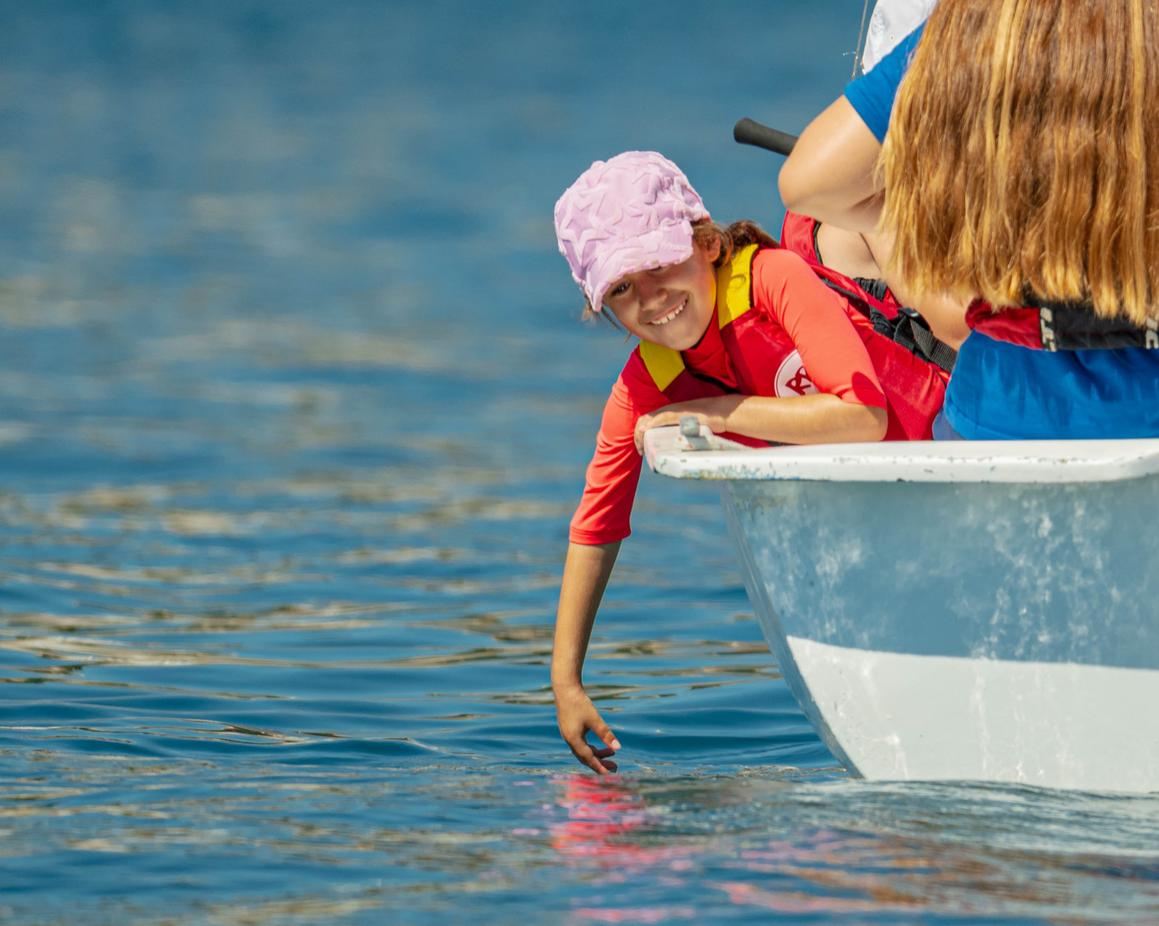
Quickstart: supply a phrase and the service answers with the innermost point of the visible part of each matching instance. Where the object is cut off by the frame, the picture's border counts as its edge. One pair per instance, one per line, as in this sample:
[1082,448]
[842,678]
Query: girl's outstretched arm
[807,419]
[585,576]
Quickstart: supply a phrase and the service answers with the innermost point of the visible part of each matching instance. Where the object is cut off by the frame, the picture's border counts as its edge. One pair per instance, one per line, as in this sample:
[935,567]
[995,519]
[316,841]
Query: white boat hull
[957,611]
[946,717]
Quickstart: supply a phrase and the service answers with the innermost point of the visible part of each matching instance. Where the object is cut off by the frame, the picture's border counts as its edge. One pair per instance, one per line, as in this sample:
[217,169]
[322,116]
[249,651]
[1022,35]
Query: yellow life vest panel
[733,299]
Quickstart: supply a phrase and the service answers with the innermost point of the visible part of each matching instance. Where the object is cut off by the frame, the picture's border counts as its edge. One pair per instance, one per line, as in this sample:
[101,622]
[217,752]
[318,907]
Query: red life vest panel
[799,235]
[872,298]
[914,388]
[1059,326]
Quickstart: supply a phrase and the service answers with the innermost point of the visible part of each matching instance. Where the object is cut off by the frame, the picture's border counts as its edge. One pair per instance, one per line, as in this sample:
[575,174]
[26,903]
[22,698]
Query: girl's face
[671,305]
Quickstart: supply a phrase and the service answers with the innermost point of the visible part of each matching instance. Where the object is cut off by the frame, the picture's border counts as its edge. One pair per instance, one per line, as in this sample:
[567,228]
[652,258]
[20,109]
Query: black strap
[1074,326]
[876,288]
[907,328]
[929,346]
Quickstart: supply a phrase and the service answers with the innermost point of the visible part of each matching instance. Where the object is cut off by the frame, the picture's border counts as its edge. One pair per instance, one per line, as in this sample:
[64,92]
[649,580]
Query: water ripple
[294,408]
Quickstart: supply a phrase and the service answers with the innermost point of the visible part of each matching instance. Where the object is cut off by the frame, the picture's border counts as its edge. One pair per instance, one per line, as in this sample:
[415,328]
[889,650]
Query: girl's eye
[618,290]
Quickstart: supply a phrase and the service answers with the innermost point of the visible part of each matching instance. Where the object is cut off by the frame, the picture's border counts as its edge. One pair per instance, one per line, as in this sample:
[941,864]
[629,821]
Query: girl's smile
[664,320]
[669,305]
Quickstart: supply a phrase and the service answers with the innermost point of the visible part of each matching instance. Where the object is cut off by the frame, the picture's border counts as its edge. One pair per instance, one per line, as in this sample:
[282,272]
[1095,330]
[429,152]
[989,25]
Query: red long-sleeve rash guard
[790,299]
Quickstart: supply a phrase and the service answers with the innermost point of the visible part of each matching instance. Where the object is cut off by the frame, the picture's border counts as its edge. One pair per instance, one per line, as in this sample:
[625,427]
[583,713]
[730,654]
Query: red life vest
[765,360]
[872,298]
[799,235]
[1059,326]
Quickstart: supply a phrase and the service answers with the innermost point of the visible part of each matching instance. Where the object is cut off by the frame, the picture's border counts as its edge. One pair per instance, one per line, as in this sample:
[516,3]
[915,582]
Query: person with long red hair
[1019,177]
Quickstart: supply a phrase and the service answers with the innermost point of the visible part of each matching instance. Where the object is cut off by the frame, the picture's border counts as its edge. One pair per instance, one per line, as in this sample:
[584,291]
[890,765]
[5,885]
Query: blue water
[294,409]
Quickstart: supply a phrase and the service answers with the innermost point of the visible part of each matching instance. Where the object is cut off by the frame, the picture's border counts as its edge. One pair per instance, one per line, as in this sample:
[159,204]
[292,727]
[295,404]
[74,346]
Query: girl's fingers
[588,757]
[604,732]
[612,745]
[575,721]
[657,420]
[596,758]
[652,421]
[638,436]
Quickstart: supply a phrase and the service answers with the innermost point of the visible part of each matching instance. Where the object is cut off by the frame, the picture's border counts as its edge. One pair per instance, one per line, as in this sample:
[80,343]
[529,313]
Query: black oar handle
[749,132]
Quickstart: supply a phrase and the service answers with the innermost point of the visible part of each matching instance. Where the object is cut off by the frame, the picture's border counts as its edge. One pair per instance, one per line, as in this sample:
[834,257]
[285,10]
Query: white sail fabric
[892,21]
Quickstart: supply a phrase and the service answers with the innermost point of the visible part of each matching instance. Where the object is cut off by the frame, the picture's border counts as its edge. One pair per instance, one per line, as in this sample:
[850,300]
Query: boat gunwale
[1055,461]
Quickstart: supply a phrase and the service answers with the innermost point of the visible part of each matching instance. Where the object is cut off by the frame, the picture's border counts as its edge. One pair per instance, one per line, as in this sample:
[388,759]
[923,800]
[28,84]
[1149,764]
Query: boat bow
[955,610]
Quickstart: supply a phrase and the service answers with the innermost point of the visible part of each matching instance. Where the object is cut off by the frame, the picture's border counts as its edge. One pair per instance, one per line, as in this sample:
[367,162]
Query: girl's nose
[649,288]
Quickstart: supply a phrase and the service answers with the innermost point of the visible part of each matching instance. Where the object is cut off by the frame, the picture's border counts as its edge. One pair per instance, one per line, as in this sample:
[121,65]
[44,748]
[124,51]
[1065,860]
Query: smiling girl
[750,338]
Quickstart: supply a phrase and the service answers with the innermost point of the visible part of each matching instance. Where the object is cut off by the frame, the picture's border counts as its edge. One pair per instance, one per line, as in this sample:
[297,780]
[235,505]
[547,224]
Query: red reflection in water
[602,816]
[610,825]
[606,826]
[822,872]
[636,915]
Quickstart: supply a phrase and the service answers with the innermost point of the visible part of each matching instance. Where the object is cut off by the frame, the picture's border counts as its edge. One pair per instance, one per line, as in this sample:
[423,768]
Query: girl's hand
[819,418]
[576,715]
[659,419]
[709,412]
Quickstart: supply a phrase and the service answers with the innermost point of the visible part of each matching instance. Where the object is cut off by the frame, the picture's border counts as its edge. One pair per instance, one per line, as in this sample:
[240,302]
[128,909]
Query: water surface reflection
[294,408]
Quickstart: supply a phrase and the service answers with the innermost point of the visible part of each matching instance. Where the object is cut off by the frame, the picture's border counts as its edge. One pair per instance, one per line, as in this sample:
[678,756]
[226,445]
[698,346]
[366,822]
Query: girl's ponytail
[735,236]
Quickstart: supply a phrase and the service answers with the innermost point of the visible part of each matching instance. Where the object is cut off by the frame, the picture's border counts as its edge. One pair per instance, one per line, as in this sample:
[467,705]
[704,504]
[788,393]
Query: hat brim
[669,244]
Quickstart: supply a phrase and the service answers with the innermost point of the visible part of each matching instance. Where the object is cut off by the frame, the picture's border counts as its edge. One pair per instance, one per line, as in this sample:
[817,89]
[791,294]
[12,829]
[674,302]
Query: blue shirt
[872,94]
[1002,391]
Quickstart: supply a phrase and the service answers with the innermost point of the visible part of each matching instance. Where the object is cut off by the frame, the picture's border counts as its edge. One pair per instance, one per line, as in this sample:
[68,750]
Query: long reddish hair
[1023,154]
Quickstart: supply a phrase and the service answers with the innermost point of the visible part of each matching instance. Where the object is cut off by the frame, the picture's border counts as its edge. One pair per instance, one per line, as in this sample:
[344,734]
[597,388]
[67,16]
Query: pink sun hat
[632,212]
